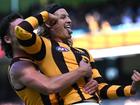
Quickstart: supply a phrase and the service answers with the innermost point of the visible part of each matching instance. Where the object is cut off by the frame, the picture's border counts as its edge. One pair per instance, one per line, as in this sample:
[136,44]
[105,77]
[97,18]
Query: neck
[19,53]
[66,41]
[58,40]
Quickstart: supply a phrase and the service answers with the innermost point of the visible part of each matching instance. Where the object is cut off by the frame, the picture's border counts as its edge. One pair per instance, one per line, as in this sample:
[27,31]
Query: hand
[91,87]
[136,80]
[52,20]
[85,68]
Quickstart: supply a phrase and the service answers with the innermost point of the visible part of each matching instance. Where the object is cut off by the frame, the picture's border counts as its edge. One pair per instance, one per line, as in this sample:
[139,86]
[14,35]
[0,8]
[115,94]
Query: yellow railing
[108,39]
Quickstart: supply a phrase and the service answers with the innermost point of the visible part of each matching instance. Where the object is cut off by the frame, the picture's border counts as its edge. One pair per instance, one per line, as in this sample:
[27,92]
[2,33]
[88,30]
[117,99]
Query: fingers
[91,90]
[136,73]
[91,87]
[136,76]
[52,19]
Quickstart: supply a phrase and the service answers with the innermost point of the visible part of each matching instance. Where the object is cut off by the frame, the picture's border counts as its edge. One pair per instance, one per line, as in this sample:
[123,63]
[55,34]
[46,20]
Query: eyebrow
[64,15]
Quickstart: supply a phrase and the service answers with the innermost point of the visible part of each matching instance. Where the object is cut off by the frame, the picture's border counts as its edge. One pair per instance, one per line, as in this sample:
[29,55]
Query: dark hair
[4,30]
[53,7]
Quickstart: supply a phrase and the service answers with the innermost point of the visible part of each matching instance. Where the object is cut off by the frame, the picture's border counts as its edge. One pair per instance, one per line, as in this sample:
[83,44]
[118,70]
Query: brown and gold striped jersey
[55,58]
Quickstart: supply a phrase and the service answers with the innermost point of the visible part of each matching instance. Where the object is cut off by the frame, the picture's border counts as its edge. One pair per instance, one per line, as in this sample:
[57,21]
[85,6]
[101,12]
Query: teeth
[67,26]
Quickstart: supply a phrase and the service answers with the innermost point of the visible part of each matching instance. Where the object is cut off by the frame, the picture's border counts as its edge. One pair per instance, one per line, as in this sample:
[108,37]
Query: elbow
[21,33]
[18,31]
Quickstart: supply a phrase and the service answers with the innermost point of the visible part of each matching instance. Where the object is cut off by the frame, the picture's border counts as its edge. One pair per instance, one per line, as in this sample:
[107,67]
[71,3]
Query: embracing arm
[27,75]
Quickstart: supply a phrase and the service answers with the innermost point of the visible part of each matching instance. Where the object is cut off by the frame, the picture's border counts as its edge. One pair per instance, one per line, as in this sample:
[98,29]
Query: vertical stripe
[103,91]
[60,100]
[100,80]
[120,91]
[75,86]
[45,99]
[58,57]
[93,65]
[77,55]
[86,53]
[78,59]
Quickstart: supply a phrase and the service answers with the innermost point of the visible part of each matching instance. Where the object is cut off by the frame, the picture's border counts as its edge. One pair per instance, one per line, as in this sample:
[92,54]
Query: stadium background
[110,29]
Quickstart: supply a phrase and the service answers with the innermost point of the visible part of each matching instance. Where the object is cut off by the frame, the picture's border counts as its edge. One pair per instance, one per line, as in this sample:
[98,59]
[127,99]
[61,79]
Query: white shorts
[86,103]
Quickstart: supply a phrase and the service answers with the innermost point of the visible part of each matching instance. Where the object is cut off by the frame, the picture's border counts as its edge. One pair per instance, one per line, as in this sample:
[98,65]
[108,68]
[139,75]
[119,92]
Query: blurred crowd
[102,15]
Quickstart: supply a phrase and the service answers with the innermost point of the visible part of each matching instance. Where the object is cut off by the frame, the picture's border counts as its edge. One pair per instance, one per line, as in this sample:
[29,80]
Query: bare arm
[27,75]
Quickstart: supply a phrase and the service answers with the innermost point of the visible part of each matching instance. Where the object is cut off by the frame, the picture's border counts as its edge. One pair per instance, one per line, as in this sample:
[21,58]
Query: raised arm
[30,41]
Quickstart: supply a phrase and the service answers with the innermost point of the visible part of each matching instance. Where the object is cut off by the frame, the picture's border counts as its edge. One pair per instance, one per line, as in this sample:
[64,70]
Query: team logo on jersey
[62,49]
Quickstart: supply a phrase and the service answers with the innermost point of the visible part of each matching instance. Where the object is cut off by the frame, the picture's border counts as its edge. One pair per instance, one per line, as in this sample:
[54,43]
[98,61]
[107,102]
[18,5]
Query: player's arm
[110,91]
[107,90]
[30,41]
[24,30]
[27,75]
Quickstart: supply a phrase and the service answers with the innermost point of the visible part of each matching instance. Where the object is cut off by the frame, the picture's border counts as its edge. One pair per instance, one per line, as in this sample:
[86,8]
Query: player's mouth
[68,28]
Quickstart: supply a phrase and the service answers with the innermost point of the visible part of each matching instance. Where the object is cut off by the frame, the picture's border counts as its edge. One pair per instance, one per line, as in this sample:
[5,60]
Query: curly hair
[4,30]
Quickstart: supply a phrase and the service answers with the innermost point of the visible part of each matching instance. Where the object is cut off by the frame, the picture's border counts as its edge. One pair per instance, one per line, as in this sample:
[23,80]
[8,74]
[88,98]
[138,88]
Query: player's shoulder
[45,40]
[20,63]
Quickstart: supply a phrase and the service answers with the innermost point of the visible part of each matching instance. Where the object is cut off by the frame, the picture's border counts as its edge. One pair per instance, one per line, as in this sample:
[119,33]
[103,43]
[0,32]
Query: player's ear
[7,39]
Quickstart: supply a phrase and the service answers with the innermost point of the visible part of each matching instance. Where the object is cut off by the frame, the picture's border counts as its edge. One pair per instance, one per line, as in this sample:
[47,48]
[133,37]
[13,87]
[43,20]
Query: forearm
[34,20]
[30,42]
[110,91]
[66,79]
[38,19]
[113,91]
[47,85]
[27,26]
